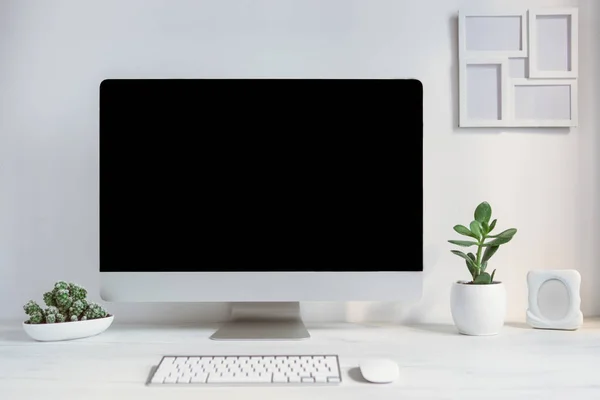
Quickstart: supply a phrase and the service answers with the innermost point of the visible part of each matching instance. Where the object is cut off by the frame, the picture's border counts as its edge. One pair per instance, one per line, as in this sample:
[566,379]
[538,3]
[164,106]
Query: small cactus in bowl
[66,302]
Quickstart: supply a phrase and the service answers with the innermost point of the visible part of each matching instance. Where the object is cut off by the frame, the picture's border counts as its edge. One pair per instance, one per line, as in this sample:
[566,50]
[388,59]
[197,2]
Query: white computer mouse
[379,370]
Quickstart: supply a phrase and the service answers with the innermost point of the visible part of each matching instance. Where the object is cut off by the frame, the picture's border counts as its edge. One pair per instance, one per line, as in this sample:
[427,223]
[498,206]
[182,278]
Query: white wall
[53,54]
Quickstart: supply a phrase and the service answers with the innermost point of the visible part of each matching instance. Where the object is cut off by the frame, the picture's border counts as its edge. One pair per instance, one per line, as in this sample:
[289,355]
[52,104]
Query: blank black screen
[261,175]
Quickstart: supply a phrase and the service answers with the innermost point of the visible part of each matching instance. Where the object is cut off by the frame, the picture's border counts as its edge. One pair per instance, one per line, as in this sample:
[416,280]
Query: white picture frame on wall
[528,93]
[570,40]
[502,95]
[568,106]
[486,18]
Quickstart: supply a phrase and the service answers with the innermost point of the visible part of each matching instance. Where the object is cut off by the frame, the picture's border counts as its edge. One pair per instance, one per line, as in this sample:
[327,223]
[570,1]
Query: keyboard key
[167,360]
[200,378]
[228,378]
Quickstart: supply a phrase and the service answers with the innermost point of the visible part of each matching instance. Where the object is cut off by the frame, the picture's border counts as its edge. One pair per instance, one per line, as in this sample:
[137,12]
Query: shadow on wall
[589,160]
[434,294]
[595,10]
[455,93]
[168,313]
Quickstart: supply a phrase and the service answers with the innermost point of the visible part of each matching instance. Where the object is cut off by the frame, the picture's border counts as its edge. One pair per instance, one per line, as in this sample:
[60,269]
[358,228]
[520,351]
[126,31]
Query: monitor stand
[263,321]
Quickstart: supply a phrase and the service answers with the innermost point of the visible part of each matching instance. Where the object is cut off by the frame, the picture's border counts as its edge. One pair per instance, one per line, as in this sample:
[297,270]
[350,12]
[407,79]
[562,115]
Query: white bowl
[67,330]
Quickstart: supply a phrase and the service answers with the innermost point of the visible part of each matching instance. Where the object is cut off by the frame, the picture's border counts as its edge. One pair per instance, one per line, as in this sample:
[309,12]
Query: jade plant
[487,244]
[65,303]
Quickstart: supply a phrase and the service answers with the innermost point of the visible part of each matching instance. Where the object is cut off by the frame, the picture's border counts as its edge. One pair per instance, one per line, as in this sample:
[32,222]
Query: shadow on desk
[356,375]
[151,374]
[442,329]
[15,336]
[518,325]
[450,329]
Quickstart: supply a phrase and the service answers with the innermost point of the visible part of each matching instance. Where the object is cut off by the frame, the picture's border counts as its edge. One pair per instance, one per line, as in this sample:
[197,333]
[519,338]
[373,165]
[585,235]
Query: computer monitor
[261,192]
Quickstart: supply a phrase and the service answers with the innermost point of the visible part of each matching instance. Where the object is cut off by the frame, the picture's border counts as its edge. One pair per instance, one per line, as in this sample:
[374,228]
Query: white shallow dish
[67,330]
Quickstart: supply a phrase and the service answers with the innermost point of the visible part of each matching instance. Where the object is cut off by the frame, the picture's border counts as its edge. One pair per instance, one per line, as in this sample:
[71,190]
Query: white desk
[436,363]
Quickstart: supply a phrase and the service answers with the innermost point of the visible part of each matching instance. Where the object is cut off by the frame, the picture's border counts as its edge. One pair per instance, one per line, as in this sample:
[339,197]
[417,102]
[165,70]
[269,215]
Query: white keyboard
[248,370]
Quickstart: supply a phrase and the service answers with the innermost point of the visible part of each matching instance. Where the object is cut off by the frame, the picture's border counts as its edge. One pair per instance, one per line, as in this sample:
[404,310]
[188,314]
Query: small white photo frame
[483,92]
[563,311]
[495,33]
[543,103]
[553,43]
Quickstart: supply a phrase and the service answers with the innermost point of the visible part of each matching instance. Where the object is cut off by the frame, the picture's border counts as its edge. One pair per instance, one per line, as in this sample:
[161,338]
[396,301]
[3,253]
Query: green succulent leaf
[463,243]
[460,254]
[483,266]
[469,260]
[492,226]
[492,277]
[489,252]
[463,230]
[486,228]
[497,242]
[476,228]
[471,268]
[483,212]
[483,279]
[509,233]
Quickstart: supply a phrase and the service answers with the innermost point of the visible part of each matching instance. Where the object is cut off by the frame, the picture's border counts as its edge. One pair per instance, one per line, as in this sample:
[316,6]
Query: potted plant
[478,306]
[68,315]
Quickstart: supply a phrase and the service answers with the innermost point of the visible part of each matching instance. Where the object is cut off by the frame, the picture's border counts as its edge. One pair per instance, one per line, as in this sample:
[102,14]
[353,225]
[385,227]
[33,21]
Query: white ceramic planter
[67,330]
[478,310]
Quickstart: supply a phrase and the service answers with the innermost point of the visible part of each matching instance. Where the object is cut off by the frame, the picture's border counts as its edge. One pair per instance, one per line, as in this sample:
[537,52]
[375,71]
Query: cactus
[95,311]
[77,292]
[63,298]
[76,310]
[35,312]
[61,285]
[32,307]
[49,299]
[66,302]
[53,315]
[36,318]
